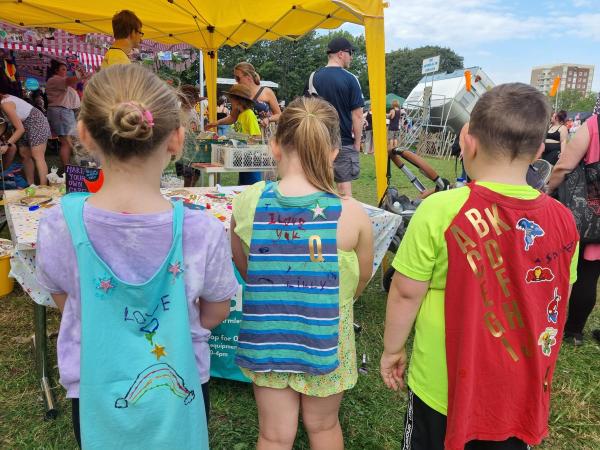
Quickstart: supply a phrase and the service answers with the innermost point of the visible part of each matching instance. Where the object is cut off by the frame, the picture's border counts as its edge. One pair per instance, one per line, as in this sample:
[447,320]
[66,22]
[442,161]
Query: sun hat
[240,90]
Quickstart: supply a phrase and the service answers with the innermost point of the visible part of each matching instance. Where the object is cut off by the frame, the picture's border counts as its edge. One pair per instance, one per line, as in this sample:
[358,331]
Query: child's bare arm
[364,251]
[237,249]
[404,301]
[213,313]
[60,300]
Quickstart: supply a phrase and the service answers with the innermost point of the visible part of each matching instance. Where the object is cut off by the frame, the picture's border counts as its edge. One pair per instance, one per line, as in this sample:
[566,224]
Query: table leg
[211,180]
[40,347]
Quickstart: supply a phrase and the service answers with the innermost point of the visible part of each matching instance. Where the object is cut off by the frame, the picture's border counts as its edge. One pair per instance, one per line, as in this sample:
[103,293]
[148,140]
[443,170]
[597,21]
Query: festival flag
[554,88]
[468,80]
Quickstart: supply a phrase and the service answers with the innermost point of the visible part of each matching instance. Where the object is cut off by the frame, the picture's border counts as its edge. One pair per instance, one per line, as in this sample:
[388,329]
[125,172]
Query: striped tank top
[291,301]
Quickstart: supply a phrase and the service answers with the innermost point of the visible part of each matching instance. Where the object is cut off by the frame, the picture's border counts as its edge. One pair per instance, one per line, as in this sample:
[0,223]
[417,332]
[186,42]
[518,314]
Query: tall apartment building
[576,77]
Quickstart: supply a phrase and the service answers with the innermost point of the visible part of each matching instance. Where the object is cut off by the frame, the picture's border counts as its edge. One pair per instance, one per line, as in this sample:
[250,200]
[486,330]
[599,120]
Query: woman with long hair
[266,106]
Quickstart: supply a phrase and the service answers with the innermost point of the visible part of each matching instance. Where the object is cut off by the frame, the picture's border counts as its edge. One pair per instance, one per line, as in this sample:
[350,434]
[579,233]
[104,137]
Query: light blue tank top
[140,387]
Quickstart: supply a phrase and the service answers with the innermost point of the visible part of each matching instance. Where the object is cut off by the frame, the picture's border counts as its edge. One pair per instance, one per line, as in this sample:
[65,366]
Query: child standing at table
[127,267]
[306,254]
[246,123]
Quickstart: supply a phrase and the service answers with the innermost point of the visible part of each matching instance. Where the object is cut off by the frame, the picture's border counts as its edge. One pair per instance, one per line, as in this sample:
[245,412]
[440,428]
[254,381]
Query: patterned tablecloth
[23,224]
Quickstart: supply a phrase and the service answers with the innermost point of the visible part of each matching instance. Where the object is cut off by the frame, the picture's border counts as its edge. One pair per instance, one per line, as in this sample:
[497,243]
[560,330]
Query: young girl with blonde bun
[140,281]
[305,254]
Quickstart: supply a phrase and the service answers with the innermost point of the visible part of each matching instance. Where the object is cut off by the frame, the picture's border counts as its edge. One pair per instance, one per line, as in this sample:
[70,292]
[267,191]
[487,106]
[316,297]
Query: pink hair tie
[147,115]
[149,118]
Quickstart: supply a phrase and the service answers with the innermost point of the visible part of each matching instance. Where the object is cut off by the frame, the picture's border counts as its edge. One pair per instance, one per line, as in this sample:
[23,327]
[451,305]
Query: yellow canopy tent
[211,24]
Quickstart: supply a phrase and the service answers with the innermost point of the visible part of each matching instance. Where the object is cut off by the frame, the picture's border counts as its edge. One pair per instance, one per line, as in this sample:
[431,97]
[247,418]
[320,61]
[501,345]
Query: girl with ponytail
[305,254]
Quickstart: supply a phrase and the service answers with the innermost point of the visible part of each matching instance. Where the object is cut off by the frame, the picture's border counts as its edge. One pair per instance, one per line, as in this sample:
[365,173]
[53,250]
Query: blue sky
[506,38]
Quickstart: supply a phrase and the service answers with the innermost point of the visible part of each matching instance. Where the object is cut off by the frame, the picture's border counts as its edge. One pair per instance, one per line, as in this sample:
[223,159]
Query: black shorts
[425,429]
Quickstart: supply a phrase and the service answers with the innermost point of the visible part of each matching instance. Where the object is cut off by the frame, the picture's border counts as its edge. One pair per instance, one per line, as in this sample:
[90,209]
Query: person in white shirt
[30,135]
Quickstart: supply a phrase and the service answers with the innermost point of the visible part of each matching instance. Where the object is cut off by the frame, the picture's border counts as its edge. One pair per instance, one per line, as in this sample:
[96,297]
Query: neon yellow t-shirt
[114,56]
[247,123]
[423,256]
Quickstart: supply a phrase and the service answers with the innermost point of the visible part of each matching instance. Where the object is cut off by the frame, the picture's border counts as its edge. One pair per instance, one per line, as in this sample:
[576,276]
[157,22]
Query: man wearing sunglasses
[127,30]
[342,89]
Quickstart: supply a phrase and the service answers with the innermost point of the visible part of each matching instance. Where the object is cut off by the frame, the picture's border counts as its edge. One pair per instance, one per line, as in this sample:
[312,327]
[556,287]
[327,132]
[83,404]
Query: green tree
[403,66]
[575,101]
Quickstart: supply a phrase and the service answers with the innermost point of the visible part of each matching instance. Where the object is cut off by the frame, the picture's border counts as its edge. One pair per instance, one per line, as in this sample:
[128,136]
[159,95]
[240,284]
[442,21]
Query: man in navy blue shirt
[342,89]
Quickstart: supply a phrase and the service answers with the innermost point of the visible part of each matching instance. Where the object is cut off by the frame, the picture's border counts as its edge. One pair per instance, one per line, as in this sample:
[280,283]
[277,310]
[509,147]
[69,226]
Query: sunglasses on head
[139,32]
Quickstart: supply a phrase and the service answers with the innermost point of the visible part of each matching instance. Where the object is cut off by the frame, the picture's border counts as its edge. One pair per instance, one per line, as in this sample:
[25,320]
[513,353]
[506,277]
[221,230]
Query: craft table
[23,226]
[214,171]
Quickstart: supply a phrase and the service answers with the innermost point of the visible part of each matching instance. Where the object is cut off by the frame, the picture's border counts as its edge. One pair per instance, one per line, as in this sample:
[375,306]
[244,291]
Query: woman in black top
[556,138]
[394,127]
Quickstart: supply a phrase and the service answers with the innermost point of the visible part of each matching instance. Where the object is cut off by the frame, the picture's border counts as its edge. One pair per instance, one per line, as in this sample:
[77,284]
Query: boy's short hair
[511,119]
[124,23]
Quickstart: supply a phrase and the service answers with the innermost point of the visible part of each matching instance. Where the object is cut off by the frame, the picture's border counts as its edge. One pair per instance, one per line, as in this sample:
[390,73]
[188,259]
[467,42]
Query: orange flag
[554,88]
[468,80]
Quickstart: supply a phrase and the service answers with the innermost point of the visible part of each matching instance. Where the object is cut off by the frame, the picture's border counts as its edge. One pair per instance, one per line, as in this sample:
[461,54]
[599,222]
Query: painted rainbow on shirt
[160,375]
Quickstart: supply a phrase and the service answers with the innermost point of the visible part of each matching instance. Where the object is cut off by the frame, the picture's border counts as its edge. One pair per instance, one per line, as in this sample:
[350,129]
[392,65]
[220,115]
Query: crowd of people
[470,262]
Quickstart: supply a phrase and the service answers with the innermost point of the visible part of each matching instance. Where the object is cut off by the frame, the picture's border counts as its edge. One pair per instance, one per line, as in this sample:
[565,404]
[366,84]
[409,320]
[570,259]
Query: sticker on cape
[539,274]
[552,309]
[547,340]
[531,231]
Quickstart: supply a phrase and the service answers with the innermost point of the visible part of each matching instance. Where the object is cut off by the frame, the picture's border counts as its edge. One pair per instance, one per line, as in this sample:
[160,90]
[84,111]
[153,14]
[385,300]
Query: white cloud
[472,23]
[456,23]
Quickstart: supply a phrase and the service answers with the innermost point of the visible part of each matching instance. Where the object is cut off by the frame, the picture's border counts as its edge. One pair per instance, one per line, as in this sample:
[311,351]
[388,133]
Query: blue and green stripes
[291,302]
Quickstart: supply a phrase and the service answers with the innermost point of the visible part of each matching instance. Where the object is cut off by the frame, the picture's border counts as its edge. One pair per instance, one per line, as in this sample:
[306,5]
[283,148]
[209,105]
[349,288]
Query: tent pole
[201,73]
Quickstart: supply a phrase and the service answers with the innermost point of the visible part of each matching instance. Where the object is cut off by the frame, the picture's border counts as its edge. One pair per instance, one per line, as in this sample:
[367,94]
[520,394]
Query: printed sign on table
[223,340]
[83,179]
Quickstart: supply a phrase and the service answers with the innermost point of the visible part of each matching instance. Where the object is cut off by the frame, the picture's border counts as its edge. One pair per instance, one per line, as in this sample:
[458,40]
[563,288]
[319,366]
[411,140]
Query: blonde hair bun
[129,111]
[128,122]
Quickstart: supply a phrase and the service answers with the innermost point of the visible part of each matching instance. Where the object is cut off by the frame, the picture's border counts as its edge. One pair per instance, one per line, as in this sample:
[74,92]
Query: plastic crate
[196,149]
[249,157]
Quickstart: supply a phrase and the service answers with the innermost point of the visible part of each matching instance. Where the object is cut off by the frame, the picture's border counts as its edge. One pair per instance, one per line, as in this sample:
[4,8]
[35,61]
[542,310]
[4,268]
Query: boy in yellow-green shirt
[247,123]
[485,271]
[127,31]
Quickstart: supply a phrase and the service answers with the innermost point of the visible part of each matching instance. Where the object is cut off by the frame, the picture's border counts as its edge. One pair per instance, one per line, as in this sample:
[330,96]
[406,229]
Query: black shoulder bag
[580,192]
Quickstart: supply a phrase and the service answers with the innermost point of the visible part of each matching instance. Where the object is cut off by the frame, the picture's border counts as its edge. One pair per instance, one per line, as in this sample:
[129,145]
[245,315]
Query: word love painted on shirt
[144,318]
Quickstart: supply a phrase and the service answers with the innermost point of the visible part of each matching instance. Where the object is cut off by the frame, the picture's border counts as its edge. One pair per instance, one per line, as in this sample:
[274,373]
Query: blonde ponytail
[310,127]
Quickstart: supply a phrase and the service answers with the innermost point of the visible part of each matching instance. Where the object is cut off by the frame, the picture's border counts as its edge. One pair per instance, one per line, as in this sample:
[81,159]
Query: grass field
[371,416]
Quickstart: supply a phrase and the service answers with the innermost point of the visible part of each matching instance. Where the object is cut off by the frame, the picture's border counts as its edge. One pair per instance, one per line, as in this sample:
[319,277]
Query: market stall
[211,25]
[23,221]
[32,49]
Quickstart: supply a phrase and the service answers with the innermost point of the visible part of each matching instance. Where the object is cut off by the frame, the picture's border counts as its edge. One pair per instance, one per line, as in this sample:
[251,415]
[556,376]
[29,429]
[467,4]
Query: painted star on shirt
[175,269]
[318,211]
[105,284]
[159,351]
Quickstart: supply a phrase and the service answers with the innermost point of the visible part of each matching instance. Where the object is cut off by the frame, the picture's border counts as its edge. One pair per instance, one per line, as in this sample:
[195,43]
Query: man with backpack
[342,89]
